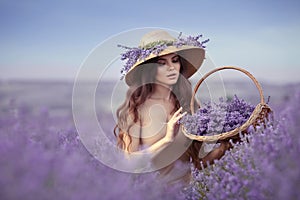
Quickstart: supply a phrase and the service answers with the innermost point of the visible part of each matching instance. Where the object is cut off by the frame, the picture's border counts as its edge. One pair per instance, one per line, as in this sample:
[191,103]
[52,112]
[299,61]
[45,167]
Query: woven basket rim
[243,127]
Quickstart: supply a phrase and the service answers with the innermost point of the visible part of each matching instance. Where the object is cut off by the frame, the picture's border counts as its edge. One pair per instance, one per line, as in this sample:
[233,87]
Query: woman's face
[168,69]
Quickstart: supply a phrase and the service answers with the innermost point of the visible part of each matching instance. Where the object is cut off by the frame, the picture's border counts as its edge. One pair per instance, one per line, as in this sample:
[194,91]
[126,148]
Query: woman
[158,97]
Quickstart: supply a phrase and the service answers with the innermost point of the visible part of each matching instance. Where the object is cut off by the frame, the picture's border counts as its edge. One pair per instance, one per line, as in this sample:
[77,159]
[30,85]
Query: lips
[171,75]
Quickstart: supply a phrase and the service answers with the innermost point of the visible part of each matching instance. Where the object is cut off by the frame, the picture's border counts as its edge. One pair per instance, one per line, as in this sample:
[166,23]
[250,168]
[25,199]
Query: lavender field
[42,157]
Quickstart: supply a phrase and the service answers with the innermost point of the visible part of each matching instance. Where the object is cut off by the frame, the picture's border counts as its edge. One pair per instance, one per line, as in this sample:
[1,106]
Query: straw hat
[159,43]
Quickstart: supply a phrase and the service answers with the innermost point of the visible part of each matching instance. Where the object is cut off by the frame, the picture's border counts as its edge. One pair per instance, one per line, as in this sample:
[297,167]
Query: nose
[171,67]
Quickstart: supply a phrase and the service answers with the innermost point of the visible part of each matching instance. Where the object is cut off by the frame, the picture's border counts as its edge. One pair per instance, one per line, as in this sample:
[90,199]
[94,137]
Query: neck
[161,92]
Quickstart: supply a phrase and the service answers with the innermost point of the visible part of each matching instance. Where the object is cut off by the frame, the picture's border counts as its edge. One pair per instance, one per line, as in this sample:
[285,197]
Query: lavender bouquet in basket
[216,118]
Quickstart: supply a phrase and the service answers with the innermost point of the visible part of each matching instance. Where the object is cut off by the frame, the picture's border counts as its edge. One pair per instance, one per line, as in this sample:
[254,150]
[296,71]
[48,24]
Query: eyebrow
[166,59]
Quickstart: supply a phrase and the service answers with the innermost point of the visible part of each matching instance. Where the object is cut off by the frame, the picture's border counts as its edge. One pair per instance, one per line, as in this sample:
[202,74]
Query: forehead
[168,56]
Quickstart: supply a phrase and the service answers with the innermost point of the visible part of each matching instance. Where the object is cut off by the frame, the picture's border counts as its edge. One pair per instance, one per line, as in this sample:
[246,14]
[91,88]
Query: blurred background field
[42,156]
[56,97]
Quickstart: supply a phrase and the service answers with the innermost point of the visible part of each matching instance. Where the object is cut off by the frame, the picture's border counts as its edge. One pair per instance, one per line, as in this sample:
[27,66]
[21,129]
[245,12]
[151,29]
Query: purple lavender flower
[41,157]
[219,117]
[134,54]
[267,155]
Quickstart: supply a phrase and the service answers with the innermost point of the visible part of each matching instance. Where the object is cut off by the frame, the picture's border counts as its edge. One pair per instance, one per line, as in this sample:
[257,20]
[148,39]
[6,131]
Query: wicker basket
[258,116]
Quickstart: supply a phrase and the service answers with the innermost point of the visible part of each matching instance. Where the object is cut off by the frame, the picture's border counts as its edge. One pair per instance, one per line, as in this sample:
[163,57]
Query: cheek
[159,72]
[177,66]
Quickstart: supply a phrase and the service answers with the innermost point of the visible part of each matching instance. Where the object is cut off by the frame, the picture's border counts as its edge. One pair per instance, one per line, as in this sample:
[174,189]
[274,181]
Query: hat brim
[192,60]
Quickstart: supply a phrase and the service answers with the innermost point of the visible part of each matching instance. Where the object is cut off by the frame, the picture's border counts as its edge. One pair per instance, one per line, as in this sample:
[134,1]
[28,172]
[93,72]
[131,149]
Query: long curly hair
[138,93]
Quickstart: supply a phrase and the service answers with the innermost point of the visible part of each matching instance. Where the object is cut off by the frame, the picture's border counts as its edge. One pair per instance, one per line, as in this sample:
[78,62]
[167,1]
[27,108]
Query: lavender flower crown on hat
[134,54]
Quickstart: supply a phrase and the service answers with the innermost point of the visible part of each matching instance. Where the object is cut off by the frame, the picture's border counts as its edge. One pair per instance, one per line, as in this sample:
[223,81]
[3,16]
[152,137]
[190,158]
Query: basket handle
[262,101]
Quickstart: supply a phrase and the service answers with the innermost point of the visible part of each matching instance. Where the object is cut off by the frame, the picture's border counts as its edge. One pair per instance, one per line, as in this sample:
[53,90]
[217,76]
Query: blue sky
[51,39]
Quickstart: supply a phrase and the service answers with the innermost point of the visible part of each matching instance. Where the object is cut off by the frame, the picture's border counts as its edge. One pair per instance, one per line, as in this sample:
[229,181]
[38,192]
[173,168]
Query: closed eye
[175,59]
[161,61]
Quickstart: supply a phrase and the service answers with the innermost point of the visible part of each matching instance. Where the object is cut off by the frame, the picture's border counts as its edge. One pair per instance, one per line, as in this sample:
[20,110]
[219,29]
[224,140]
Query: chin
[167,82]
[171,82]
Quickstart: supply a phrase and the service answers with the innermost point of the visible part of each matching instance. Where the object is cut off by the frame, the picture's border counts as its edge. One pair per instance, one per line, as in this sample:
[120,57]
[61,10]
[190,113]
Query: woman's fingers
[178,115]
[179,110]
[174,119]
[182,115]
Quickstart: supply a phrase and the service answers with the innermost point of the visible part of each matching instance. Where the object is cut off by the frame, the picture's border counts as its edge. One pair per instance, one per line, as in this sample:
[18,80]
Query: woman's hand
[158,146]
[171,124]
